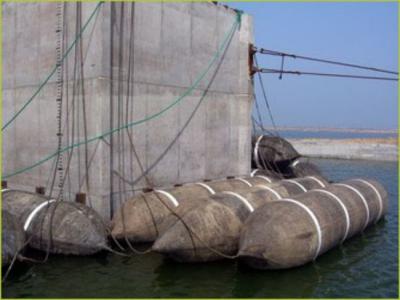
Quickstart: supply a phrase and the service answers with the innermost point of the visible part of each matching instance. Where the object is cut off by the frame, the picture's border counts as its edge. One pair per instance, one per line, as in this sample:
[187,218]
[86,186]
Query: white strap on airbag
[207,187]
[346,212]
[244,181]
[362,198]
[315,221]
[295,163]
[34,213]
[296,183]
[169,196]
[265,187]
[256,158]
[265,178]
[379,197]
[242,199]
[317,181]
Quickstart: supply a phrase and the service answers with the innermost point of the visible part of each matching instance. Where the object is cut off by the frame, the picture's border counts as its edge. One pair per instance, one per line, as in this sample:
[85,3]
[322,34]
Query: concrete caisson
[172,45]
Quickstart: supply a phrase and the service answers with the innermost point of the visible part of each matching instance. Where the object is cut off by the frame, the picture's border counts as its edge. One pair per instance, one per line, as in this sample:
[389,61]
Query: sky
[358,33]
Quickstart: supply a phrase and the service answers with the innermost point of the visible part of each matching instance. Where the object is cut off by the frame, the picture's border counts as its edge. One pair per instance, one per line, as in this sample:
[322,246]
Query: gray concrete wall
[173,43]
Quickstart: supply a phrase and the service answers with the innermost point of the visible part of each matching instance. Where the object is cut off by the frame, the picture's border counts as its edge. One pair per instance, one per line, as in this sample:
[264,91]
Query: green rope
[54,69]
[134,123]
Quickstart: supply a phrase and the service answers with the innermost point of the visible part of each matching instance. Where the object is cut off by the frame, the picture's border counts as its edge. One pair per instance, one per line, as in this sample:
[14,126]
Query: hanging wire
[283,54]
[129,107]
[84,112]
[121,63]
[262,129]
[42,85]
[144,173]
[175,102]
[265,98]
[260,122]
[276,71]
[111,108]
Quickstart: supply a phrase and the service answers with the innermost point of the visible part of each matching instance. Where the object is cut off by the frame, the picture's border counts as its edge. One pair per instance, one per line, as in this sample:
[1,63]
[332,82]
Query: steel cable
[275,71]
[150,183]
[283,54]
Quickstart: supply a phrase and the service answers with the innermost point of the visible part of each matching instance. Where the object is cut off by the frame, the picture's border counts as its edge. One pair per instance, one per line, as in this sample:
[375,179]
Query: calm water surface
[365,266]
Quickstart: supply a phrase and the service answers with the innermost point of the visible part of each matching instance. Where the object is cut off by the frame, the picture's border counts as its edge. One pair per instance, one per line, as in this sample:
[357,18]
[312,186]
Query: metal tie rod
[275,71]
[278,53]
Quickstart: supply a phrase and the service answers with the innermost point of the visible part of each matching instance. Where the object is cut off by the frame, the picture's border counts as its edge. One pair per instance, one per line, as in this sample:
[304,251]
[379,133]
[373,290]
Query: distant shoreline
[379,149]
[331,129]
[388,140]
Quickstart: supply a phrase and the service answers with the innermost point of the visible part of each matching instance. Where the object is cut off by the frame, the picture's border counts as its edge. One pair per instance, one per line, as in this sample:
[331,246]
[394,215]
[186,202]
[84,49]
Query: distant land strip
[380,149]
[331,129]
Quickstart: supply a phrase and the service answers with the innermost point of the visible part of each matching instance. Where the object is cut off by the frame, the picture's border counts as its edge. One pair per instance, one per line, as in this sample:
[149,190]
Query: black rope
[263,129]
[275,71]
[254,125]
[120,115]
[130,82]
[112,21]
[266,98]
[71,133]
[120,144]
[258,112]
[282,63]
[67,117]
[78,127]
[63,179]
[278,53]
[144,173]
[85,130]
[89,164]
[124,107]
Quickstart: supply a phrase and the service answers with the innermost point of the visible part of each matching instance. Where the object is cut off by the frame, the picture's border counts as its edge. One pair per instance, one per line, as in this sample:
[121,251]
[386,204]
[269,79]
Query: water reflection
[212,279]
[298,282]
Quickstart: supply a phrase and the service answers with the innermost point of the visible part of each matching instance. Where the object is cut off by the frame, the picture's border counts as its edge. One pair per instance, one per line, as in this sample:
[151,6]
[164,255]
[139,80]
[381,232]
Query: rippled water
[365,266]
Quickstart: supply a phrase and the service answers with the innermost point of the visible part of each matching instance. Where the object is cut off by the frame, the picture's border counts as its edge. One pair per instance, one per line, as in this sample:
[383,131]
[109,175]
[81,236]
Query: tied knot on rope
[239,14]
[282,63]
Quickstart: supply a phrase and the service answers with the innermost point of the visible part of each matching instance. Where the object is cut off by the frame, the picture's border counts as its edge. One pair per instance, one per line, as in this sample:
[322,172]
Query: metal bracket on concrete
[252,52]
[80,198]
[41,190]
